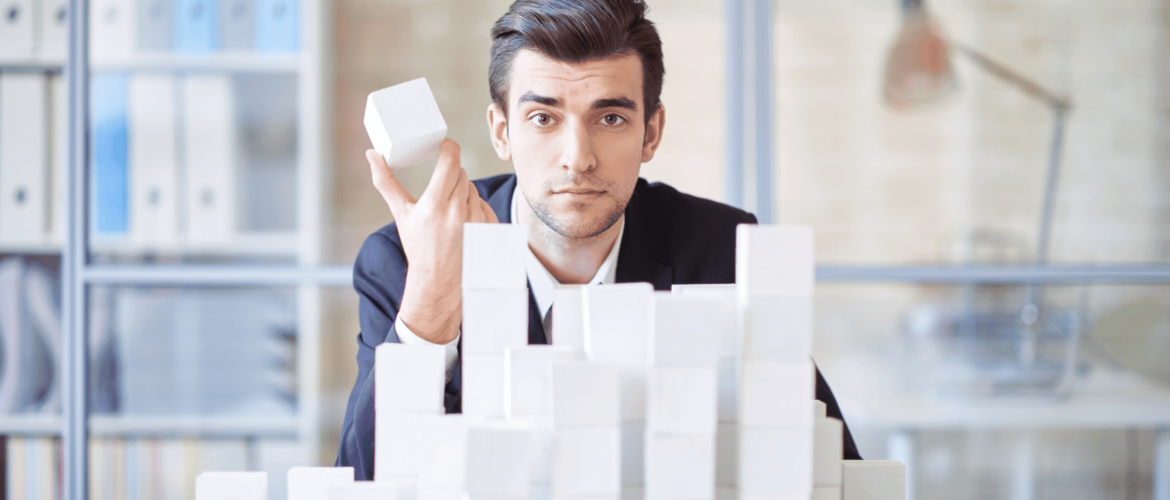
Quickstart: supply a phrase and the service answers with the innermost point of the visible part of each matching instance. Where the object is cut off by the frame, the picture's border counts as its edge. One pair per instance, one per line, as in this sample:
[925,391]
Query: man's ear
[498,129]
[653,133]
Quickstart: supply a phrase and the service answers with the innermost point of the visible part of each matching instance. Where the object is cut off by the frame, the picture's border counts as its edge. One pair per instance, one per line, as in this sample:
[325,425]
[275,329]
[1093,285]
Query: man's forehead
[619,75]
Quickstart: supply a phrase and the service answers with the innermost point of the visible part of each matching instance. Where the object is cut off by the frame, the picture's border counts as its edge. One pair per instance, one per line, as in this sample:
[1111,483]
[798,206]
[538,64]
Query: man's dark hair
[576,31]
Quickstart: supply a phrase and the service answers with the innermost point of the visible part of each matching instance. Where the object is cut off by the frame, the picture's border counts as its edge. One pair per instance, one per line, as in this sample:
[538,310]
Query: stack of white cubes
[774,278]
[682,395]
[408,389]
[495,311]
[705,393]
[618,320]
[587,453]
[727,430]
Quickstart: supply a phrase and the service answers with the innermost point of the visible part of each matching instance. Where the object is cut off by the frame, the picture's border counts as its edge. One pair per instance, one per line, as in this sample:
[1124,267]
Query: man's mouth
[580,192]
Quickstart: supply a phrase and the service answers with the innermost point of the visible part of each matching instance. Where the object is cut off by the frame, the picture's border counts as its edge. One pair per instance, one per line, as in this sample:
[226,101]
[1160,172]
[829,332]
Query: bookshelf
[284,259]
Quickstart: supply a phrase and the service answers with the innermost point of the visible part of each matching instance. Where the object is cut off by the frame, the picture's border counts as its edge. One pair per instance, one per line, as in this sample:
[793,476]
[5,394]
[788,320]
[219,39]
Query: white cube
[634,384]
[633,454]
[444,454]
[498,461]
[494,320]
[633,492]
[828,451]
[587,462]
[777,393]
[483,385]
[618,322]
[686,331]
[568,320]
[404,123]
[680,466]
[774,261]
[397,438]
[409,377]
[775,461]
[231,486]
[726,493]
[494,256]
[363,490]
[728,390]
[405,487]
[727,311]
[777,328]
[826,493]
[543,440]
[312,483]
[528,379]
[442,492]
[873,480]
[682,400]
[727,454]
[585,393]
[820,409]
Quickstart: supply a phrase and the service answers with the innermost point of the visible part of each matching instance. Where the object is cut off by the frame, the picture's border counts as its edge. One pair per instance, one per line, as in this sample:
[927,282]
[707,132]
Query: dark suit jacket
[670,237]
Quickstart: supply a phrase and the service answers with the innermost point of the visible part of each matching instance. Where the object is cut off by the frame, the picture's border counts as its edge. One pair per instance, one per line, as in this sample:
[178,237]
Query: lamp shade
[918,66]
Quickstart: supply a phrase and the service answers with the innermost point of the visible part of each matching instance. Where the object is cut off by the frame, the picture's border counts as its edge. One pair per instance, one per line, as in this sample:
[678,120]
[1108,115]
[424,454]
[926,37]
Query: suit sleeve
[379,277]
[825,395]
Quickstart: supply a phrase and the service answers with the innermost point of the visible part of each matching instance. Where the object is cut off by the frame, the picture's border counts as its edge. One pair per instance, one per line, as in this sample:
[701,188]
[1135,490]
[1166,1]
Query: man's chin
[576,225]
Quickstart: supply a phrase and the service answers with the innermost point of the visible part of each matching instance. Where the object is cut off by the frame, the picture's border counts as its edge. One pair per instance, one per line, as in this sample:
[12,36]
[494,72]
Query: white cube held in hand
[873,480]
[231,486]
[404,123]
[312,483]
[409,377]
[493,257]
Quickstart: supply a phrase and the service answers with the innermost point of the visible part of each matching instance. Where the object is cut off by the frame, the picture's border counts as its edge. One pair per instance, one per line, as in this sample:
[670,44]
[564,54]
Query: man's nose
[577,155]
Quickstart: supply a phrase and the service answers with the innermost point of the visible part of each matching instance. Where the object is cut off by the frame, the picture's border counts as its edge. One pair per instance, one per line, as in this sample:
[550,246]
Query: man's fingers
[446,176]
[459,196]
[489,214]
[392,191]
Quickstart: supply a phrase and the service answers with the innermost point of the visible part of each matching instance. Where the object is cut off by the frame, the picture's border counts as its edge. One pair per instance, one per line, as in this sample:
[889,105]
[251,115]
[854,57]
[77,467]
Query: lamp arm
[1012,77]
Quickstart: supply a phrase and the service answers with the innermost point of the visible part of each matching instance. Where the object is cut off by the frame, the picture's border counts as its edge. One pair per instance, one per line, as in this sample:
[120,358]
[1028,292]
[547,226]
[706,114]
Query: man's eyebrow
[620,102]
[530,96]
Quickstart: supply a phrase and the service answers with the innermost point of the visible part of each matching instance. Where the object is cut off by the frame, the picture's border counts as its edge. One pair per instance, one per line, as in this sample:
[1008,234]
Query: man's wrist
[436,319]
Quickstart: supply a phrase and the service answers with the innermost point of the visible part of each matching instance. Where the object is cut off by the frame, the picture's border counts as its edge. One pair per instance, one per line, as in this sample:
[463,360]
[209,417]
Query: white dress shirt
[540,281]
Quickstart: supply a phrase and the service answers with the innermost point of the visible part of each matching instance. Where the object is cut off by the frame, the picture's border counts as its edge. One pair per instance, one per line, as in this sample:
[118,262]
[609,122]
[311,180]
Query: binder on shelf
[109,153]
[23,158]
[17,28]
[111,30]
[237,21]
[154,25]
[209,136]
[58,155]
[54,28]
[196,26]
[277,25]
[153,200]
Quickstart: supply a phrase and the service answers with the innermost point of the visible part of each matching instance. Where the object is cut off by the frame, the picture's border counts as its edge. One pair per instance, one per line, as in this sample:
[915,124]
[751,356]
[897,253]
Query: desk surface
[871,393]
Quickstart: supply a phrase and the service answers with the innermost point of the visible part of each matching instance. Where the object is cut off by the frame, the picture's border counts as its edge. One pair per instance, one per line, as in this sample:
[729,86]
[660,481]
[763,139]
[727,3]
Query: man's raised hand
[431,230]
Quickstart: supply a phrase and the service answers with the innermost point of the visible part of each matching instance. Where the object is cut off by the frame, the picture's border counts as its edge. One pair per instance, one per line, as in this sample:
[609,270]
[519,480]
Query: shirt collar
[543,284]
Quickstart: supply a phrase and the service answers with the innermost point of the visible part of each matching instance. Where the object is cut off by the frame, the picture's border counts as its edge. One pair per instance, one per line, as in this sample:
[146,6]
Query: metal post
[764,90]
[734,143]
[74,432]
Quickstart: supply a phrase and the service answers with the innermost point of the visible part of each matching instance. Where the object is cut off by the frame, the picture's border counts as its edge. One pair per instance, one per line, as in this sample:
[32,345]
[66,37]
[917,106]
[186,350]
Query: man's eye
[541,120]
[612,119]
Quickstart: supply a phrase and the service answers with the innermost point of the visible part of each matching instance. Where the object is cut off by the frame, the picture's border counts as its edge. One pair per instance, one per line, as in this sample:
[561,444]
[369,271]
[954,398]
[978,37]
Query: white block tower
[774,279]
[682,399]
[586,452]
[618,319]
[495,311]
[408,389]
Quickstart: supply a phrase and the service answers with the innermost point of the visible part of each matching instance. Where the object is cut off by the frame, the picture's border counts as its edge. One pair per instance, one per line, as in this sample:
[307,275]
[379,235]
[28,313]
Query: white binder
[17,28]
[54,28]
[111,30]
[23,166]
[153,204]
[58,155]
[209,168]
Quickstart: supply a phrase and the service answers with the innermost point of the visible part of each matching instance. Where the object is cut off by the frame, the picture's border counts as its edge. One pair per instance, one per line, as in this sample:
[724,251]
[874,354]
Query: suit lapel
[635,263]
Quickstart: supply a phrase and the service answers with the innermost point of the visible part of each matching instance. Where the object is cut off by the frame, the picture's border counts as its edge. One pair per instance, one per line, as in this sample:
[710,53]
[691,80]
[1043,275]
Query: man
[575,88]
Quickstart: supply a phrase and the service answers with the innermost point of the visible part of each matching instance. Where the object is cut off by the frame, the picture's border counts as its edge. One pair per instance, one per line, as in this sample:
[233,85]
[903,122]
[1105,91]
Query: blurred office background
[998,355]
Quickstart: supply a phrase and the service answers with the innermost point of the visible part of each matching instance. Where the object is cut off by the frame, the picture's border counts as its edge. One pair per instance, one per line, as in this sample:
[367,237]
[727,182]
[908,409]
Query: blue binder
[278,25]
[108,163]
[196,25]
